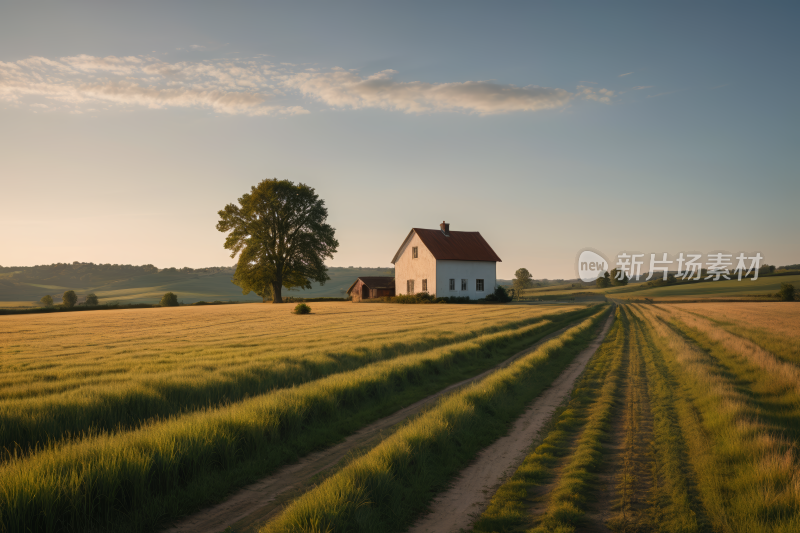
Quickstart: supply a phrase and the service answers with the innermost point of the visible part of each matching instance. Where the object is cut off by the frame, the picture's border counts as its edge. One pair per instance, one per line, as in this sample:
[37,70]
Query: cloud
[226,87]
[640,87]
[116,65]
[256,87]
[626,74]
[340,88]
[598,95]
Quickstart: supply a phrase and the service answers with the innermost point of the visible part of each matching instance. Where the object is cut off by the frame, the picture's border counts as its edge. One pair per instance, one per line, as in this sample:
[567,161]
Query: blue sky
[548,127]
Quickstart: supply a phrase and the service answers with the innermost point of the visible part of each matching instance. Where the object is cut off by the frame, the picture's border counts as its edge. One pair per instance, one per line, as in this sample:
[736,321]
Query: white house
[445,263]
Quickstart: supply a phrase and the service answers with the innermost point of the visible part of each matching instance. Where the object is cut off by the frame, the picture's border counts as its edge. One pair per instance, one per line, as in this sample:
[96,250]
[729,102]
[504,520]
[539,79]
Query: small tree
[522,280]
[786,294]
[91,299]
[671,280]
[617,279]
[301,309]
[47,301]
[603,281]
[70,299]
[170,299]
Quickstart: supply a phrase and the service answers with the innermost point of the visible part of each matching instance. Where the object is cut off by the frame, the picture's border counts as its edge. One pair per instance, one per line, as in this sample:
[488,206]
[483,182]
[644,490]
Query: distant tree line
[78,274]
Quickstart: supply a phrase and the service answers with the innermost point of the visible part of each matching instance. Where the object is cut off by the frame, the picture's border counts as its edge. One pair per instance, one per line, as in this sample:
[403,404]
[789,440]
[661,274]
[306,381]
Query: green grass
[134,480]
[744,465]
[28,422]
[385,489]
[582,420]
[190,288]
[763,286]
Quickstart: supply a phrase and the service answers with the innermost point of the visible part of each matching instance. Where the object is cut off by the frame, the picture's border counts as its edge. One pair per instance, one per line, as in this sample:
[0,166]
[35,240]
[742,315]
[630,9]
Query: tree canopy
[69,299]
[169,299]
[279,231]
[619,278]
[522,280]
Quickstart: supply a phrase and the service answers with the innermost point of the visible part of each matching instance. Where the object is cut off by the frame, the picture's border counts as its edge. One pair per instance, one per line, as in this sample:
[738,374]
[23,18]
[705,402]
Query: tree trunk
[276,292]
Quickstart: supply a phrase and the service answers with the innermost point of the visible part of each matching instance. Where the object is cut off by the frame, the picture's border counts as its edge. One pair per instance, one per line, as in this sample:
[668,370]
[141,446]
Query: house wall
[424,267]
[469,270]
[356,292]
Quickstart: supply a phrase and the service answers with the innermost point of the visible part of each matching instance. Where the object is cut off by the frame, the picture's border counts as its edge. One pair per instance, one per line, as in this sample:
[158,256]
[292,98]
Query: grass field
[149,288]
[687,419]
[724,289]
[122,419]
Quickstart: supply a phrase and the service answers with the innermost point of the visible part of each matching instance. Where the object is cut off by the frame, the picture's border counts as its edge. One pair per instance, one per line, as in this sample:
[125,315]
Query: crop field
[724,289]
[127,420]
[687,419]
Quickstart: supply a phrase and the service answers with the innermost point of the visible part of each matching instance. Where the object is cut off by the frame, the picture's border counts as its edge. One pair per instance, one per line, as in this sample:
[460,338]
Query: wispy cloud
[640,87]
[626,74]
[228,87]
[340,88]
[256,87]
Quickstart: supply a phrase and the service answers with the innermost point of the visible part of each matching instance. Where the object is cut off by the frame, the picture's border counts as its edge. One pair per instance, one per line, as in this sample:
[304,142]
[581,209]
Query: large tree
[279,231]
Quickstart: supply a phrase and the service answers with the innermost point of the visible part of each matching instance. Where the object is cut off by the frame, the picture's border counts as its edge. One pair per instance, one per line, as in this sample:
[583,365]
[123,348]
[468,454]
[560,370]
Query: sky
[550,127]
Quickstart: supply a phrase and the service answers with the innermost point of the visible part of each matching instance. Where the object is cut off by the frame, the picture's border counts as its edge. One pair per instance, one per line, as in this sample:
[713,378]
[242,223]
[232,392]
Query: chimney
[445,228]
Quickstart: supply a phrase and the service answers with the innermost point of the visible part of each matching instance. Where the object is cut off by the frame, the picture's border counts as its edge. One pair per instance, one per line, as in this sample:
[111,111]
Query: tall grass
[746,473]
[508,511]
[72,396]
[569,497]
[134,480]
[772,326]
[385,489]
[676,508]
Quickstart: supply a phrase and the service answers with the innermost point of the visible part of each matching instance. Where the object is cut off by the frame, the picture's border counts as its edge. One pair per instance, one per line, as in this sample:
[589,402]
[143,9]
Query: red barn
[371,287]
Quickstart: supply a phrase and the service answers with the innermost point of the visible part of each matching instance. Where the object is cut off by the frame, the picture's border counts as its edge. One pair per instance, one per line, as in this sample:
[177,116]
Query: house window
[410,286]
[452,284]
[424,285]
[463,284]
[479,285]
[414,252]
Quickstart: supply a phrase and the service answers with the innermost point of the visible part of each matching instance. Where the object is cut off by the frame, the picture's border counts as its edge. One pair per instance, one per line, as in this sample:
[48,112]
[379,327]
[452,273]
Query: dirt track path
[469,495]
[252,506]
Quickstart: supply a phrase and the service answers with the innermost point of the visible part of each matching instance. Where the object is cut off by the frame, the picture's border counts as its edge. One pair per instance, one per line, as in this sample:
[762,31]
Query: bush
[170,299]
[786,294]
[91,299]
[47,301]
[70,299]
[301,309]
[499,295]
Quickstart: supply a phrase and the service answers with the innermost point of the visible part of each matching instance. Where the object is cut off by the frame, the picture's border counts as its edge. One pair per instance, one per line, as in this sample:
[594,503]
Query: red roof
[458,246]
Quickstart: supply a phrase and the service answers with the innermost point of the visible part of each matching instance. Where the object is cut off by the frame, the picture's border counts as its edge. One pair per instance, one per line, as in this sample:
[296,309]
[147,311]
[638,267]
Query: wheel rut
[250,507]
[457,507]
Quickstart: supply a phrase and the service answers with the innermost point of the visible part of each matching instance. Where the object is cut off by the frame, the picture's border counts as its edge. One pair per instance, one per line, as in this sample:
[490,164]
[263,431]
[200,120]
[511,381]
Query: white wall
[469,270]
[424,267]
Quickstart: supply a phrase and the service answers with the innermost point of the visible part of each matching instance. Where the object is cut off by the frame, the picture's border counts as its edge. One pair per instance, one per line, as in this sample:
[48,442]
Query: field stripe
[745,473]
[26,423]
[255,504]
[136,479]
[384,490]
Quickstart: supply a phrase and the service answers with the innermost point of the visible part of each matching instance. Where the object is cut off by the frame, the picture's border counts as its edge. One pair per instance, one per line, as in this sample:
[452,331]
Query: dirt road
[469,495]
[253,505]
